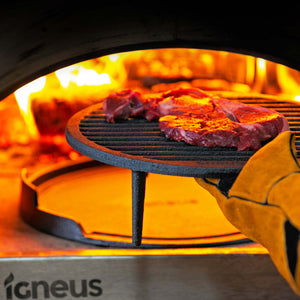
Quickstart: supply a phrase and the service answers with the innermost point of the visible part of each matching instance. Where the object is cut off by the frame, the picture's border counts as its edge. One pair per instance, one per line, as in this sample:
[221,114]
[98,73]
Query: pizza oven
[91,215]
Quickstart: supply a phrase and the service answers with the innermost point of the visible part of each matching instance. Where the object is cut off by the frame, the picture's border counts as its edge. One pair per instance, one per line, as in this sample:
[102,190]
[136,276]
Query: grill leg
[138,196]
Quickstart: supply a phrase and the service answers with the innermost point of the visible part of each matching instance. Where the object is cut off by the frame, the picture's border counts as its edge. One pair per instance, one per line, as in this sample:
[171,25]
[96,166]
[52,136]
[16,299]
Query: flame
[297,98]
[151,71]
[106,71]
[261,64]
[113,57]
[82,82]
[289,81]
[22,96]
[259,74]
[81,76]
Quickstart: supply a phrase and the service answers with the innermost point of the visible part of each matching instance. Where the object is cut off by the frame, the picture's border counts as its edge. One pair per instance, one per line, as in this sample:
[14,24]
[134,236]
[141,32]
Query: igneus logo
[42,289]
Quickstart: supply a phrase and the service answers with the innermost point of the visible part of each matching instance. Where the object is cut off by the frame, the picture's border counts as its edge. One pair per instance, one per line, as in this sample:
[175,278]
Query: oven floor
[19,238]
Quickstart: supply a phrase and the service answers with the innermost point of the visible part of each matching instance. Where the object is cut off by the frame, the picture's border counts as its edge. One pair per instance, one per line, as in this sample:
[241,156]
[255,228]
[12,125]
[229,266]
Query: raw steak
[198,118]
[128,103]
[123,105]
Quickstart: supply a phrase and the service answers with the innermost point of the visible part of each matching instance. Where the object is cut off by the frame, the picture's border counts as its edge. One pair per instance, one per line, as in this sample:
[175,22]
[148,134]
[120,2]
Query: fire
[289,81]
[79,83]
[261,63]
[81,76]
[48,102]
[22,97]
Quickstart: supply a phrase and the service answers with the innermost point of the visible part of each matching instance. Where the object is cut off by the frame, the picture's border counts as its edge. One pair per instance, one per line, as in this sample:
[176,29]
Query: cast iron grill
[139,145]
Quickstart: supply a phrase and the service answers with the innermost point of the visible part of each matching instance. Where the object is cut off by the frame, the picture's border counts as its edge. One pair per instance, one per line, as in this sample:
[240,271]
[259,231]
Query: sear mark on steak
[198,118]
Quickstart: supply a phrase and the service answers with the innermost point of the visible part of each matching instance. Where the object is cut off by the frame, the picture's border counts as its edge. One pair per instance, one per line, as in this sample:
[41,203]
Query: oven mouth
[45,103]
[247,82]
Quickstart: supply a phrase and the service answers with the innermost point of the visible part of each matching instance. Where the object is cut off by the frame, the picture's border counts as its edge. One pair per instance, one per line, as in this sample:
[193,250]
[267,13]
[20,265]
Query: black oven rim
[40,38]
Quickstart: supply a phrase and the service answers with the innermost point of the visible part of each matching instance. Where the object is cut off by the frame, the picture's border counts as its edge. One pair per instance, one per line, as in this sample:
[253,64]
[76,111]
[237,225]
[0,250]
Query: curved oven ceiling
[38,37]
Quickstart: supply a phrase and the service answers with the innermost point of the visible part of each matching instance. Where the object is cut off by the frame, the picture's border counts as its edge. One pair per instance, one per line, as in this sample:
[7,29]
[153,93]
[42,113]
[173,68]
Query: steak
[198,118]
[127,103]
[213,130]
[123,105]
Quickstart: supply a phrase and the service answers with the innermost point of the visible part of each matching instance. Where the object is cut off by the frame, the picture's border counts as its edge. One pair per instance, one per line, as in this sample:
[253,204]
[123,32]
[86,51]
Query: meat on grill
[198,118]
[123,105]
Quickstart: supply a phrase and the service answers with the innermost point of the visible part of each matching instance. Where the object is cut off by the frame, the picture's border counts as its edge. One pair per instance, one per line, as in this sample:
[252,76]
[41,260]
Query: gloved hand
[263,202]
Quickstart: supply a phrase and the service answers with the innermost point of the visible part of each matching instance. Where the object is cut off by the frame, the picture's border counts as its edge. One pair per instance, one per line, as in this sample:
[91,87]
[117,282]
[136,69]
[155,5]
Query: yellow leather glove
[264,203]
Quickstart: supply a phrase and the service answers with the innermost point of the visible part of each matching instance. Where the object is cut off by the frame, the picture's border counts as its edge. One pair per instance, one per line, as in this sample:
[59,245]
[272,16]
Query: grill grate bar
[137,149]
[182,157]
[94,134]
[101,118]
[165,146]
[102,131]
[196,158]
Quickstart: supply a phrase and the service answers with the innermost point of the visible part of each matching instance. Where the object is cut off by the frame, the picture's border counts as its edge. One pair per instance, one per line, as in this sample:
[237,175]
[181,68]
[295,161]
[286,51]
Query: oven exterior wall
[39,37]
[144,277]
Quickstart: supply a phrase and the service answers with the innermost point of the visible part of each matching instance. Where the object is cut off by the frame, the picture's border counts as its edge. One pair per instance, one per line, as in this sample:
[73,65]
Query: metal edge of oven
[142,277]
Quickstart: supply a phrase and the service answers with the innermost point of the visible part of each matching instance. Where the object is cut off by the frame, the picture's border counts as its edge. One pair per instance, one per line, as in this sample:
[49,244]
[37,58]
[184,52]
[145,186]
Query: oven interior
[34,138]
